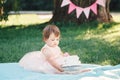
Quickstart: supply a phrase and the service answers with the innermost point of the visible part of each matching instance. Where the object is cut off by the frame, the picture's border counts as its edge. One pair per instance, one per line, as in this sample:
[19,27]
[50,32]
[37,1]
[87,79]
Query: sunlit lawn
[30,19]
[116,16]
[94,42]
[25,19]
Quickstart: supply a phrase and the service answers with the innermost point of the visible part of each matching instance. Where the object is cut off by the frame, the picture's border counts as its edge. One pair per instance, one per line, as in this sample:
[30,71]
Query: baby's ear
[44,39]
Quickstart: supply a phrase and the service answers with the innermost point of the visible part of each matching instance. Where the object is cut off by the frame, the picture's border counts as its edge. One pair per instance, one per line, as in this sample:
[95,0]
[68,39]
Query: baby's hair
[50,29]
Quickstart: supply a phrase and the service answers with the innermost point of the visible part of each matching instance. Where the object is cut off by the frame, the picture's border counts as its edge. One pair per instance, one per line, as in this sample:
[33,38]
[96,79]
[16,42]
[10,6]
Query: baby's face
[52,41]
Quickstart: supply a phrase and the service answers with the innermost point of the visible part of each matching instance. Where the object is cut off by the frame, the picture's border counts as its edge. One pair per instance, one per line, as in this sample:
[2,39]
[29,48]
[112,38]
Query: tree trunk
[1,11]
[1,7]
[104,13]
[60,14]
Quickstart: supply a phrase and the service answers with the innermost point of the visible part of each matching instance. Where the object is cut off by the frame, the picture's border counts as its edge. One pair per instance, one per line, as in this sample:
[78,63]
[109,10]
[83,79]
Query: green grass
[93,42]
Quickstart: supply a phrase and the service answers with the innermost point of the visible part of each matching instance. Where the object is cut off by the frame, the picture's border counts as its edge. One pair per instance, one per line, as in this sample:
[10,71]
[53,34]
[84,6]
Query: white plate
[72,68]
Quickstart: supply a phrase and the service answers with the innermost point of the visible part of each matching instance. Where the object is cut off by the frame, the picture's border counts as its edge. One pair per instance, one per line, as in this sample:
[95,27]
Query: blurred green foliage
[115,5]
[30,5]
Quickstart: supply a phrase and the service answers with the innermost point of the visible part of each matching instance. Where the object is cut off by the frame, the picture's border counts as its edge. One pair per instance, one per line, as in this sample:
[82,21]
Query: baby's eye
[58,39]
[52,39]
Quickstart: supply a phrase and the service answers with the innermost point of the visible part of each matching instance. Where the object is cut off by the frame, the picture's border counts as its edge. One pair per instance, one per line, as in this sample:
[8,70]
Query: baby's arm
[50,58]
[55,64]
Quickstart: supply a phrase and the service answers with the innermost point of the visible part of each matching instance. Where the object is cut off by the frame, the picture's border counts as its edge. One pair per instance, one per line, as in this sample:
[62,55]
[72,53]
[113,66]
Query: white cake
[71,61]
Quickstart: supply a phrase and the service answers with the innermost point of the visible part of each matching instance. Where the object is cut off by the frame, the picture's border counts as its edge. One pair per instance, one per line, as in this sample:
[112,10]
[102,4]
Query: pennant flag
[71,7]
[79,10]
[87,11]
[94,8]
[65,2]
[101,2]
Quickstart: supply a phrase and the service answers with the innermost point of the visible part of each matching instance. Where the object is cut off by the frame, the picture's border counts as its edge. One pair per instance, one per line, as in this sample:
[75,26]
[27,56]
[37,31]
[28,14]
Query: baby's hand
[66,54]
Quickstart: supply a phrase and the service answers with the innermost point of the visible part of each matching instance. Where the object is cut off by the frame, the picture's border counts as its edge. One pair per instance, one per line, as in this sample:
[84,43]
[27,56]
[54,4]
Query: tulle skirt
[35,61]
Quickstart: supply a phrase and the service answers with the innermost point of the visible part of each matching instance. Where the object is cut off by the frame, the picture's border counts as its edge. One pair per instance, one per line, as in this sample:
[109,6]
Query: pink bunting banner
[85,10]
[71,8]
[94,8]
[65,2]
[79,11]
[101,2]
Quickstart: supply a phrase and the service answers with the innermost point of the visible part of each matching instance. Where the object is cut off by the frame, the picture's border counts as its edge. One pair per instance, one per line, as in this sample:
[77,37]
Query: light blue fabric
[12,71]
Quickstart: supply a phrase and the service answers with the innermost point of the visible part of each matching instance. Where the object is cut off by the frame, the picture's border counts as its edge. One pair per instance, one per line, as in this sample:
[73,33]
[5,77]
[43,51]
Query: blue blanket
[12,71]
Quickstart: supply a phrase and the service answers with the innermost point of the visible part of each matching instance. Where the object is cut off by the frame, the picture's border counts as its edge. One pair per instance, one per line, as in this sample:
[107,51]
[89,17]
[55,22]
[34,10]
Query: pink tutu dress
[36,60]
